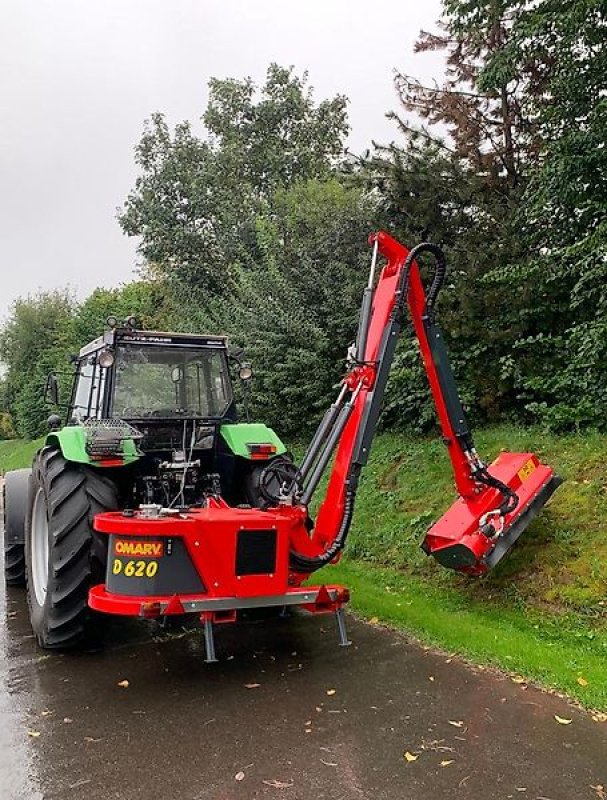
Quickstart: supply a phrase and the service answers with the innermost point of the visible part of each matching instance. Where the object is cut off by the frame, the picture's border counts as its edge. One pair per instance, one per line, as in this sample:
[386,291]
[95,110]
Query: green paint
[238,436]
[72,441]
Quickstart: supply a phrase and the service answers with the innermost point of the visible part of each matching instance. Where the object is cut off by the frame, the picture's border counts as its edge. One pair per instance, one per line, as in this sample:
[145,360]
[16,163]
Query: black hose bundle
[303,563]
[511,499]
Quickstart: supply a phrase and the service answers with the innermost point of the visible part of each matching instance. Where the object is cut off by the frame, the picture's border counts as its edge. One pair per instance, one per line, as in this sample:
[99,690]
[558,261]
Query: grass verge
[558,653]
[17,453]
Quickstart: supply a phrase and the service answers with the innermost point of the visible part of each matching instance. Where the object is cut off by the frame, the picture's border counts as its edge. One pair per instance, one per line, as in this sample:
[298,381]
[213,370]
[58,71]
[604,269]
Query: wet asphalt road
[324,722]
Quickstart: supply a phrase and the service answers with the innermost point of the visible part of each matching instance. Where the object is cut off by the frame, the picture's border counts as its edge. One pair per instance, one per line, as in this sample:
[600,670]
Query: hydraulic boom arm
[350,424]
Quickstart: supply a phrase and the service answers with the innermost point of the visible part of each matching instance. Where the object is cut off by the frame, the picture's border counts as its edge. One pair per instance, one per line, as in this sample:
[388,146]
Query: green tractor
[151,423]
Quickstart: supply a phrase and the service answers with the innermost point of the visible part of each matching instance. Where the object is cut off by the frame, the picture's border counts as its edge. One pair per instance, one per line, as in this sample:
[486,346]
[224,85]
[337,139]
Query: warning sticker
[526,471]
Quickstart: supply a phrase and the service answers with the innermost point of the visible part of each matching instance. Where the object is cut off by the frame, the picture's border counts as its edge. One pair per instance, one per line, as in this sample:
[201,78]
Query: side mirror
[54,422]
[245,372]
[51,390]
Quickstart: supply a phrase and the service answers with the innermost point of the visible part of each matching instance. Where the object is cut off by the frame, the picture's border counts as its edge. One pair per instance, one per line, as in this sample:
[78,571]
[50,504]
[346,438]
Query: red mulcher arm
[496,503]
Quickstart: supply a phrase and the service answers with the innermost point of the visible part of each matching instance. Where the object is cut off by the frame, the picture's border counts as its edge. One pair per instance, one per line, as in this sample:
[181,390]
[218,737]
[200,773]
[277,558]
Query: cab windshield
[169,382]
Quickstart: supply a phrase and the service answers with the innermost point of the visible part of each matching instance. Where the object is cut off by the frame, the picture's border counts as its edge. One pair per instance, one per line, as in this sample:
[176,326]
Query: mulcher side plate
[456,542]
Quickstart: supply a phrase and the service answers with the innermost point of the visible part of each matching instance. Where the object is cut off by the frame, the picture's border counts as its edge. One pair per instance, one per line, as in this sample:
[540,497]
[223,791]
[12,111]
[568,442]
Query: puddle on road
[18,777]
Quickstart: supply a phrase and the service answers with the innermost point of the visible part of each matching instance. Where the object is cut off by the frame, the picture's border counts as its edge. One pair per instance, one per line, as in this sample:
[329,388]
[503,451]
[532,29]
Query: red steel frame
[209,533]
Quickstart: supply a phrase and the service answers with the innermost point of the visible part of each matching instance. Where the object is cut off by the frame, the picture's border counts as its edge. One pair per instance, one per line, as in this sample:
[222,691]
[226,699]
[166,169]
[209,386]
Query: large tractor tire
[63,555]
[15,497]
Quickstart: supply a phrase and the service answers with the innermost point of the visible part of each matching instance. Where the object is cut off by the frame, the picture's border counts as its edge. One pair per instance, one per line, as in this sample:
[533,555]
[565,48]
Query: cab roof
[117,336]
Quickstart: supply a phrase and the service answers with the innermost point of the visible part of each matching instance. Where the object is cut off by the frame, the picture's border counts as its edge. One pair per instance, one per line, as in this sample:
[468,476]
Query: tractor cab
[141,376]
[162,405]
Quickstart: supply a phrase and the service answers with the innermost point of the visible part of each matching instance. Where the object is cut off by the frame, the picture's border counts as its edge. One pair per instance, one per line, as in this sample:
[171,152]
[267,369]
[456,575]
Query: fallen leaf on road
[562,720]
[409,756]
[374,620]
[252,685]
[600,716]
[279,784]
[446,762]
[518,679]
[457,723]
[81,782]
[330,692]
[239,776]
[600,791]
[123,684]
[33,734]
[46,712]
[582,681]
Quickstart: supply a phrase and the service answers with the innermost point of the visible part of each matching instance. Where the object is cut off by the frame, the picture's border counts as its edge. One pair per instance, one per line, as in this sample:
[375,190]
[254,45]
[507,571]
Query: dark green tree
[196,200]
[457,179]
[560,366]
[36,340]
[294,309]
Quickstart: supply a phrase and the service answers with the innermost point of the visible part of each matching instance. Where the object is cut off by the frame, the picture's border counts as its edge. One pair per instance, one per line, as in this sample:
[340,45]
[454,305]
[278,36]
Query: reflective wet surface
[286,713]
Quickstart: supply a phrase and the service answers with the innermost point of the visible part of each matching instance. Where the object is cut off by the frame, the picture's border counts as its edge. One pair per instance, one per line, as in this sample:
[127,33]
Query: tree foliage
[561,366]
[34,342]
[196,200]
[294,308]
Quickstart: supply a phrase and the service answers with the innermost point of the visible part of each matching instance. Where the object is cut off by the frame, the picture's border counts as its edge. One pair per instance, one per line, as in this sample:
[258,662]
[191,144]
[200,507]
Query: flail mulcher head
[497,502]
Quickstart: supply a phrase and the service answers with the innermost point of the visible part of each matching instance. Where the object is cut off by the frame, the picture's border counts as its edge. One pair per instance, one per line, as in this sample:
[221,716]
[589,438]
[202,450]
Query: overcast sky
[78,78]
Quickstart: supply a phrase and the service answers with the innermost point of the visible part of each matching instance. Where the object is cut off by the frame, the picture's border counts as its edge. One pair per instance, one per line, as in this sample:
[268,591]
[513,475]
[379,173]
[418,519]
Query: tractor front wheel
[63,555]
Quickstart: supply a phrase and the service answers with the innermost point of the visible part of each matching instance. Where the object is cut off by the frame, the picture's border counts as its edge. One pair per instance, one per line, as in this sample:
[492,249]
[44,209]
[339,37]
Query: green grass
[17,453]
[560,563]
[554,652]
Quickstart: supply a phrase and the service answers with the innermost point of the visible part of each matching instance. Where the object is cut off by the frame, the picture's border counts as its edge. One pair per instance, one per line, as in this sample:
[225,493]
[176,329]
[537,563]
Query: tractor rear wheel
[63,555]
[15,494]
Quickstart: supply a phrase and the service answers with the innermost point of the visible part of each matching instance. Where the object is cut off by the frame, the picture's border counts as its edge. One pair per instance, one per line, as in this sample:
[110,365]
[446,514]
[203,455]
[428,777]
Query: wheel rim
[39,551]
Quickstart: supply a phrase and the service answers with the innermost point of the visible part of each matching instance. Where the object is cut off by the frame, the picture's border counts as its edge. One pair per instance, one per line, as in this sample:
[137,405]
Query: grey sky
[78,78]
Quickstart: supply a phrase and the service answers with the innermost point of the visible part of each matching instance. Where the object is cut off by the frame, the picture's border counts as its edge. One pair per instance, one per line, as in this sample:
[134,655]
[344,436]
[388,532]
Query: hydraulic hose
[511,499]
[438,278]
[481,474]
[303,563]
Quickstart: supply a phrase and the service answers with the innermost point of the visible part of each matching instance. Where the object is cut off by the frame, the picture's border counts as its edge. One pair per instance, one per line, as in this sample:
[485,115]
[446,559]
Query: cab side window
[82,395]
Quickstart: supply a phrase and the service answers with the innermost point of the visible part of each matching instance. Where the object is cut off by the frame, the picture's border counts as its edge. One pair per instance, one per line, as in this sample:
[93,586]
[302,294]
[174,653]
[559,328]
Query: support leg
[340,618]
[209,641]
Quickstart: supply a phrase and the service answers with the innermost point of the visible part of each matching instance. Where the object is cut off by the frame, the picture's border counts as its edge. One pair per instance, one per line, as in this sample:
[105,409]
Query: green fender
[238,436]
[71,440]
